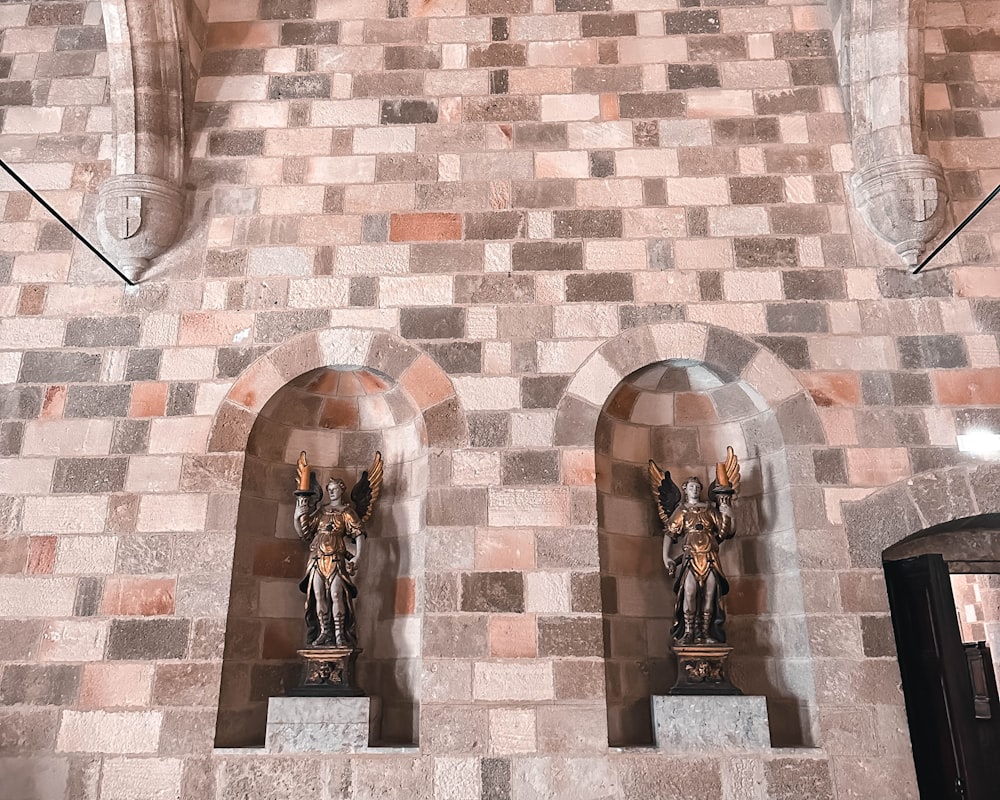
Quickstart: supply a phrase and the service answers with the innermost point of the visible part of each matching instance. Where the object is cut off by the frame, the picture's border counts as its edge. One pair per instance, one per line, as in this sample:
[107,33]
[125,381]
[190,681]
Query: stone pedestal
[327,672]
[703,669]
[321,724]
[703,723]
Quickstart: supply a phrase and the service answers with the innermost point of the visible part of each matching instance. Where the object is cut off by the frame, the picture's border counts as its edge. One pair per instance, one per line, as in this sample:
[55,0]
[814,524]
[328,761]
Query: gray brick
[147,639]
[130,436]
[89,592]
[660,253]
[900,284]
[797,318]
[729,351]
[606,287]
[102,332]
[542,391]
[495,780]
[231,361]
[89,475]
[457,357]
[500,592]
[47,366]
[180,399]
[143,364]
[290,87]
[814,284]
[932,352]
[530,467]
[632,316]
[98,401]
[489,429]
[432,323]
[570,636]
[830,467]
[11,438]
[40,684]
[20,402]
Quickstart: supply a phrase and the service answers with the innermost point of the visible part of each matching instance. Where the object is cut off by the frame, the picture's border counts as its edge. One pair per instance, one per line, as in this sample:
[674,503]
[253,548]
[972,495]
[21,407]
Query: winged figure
[699,582]
[334,532]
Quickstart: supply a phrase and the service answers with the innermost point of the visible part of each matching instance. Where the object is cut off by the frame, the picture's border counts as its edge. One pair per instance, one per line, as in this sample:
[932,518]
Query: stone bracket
[904,200]
[899,191]
[139,209]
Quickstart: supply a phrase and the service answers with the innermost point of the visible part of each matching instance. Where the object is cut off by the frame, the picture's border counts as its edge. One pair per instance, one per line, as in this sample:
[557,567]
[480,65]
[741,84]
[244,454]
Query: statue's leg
[708,607]
[319,589]
[690,590]
[337,590]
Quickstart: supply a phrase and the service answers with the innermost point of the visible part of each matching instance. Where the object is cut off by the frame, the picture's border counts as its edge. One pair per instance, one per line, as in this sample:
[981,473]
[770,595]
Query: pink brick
[647,162]
[291,200]
[111,686]
[877,466]
[513,636]
[609,192]
[562,54]
[505,549]
[719,103]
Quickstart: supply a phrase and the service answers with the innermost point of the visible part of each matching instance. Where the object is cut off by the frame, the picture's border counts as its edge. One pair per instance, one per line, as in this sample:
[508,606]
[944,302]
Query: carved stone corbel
[140,208]
[903,199]
[899,191]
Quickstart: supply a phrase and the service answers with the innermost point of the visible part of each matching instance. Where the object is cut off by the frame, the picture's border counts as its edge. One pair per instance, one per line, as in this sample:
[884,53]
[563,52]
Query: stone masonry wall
[505,206]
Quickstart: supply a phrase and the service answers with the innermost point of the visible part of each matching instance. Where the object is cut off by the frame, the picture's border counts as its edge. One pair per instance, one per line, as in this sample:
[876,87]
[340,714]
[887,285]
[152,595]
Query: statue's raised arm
[308,495]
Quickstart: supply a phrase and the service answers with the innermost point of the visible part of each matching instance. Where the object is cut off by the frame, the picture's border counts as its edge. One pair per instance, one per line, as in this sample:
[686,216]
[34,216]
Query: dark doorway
[949,687]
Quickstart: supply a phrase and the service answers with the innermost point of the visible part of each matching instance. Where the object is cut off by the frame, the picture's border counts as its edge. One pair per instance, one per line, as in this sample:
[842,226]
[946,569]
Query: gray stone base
[706,723]
[321,724]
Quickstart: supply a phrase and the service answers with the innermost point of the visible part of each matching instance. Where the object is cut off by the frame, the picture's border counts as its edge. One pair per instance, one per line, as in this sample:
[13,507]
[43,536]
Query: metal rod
[67,225]
[958,229]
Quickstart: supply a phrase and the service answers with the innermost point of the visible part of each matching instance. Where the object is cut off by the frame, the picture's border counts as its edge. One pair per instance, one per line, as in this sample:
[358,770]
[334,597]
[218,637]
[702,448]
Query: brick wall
[505,208]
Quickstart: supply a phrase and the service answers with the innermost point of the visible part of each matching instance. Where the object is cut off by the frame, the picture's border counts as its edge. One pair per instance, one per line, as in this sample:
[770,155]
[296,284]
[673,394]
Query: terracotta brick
[41,555]
[833,388]
[513,636]
[139,596]
[424,227]
[966,387]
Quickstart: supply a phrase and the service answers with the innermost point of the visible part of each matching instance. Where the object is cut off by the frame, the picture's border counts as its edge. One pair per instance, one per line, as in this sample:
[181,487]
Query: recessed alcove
[683,414]
[340,417]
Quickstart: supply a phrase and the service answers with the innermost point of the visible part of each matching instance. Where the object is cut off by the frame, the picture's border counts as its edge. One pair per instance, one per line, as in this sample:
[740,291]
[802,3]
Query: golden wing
[365,493]
[731,466]
[666,495]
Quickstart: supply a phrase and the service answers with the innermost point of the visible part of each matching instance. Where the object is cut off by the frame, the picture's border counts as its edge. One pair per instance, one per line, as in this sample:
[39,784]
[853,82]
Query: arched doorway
[937,581]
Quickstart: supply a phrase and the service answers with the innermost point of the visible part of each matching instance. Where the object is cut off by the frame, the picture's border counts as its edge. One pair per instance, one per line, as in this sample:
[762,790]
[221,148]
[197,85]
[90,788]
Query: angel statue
[700,582]
[334,532]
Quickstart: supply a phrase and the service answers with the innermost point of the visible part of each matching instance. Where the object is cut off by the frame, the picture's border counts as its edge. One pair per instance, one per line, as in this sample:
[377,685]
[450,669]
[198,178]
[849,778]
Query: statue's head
[336,489]
[692,489]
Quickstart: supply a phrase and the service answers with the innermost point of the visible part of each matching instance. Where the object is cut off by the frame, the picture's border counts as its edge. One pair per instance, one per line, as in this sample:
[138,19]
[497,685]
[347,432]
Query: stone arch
[895,512]
[381,351]
[771,625]
[603,370]
[271,412]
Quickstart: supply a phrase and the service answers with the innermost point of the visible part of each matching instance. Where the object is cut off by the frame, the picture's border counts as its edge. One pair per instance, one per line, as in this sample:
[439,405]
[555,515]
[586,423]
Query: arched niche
[683,414]
[340,416]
